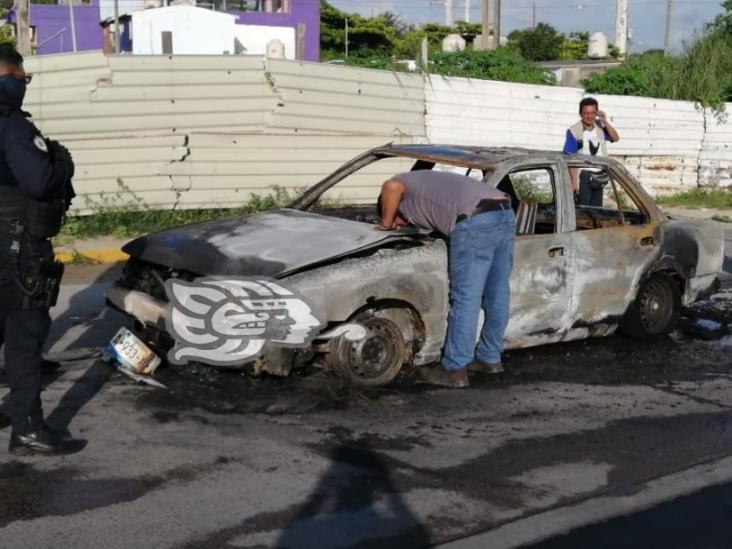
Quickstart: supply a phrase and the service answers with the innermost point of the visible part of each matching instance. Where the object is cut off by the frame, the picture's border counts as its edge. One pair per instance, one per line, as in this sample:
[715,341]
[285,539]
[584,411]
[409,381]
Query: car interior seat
[526,217]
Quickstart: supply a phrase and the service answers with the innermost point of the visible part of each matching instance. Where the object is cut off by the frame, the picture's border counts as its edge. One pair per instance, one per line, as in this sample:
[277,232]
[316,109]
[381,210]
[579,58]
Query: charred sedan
[580,271]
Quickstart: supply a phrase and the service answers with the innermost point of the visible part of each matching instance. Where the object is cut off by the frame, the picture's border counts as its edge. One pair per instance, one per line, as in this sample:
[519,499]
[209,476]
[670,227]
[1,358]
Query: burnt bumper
[142,307]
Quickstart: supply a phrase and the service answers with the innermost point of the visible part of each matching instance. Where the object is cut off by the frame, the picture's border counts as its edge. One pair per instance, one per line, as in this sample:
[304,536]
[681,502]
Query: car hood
[272,243]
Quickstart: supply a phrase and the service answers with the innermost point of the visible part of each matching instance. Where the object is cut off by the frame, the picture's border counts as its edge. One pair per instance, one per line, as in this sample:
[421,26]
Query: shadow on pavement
[79,394]
[86,308]
[355,495]
[700,520]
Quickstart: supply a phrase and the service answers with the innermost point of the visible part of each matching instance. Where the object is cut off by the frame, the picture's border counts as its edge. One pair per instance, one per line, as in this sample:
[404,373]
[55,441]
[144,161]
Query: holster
[39,288]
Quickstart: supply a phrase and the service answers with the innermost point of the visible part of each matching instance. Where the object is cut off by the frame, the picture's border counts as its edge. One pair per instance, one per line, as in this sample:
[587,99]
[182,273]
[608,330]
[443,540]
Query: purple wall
[50,19]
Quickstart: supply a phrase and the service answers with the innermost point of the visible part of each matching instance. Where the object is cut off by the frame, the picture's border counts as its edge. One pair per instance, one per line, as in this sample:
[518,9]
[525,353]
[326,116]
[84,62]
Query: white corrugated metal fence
[207,131]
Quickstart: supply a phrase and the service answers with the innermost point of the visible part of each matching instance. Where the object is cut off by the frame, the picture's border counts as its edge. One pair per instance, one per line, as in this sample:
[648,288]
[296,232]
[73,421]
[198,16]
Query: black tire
[655,310]
[373,361]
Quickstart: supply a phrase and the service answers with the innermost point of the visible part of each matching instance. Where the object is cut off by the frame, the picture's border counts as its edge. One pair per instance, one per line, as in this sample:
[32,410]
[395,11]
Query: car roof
[475,156]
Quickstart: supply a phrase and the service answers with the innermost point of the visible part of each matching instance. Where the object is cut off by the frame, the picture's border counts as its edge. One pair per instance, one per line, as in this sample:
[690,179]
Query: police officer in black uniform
[35,192]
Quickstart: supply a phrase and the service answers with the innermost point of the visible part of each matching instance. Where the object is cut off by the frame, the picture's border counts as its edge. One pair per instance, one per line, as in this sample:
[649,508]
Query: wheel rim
[378,354]
[657,306]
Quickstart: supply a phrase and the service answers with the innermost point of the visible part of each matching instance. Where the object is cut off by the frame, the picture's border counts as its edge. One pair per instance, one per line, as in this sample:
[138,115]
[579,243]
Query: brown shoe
[437,375]
[485,367]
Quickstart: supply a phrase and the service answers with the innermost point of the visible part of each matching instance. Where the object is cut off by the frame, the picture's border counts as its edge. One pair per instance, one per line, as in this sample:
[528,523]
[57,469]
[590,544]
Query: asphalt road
[605,439]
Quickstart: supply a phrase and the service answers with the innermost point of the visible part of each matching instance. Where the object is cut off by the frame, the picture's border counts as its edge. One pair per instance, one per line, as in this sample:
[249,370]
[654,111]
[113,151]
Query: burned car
[580,271]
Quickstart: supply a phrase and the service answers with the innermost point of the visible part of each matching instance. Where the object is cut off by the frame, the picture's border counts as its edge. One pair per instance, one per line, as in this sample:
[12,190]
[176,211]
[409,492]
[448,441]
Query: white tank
[275,49]
[452,43]
[597,48]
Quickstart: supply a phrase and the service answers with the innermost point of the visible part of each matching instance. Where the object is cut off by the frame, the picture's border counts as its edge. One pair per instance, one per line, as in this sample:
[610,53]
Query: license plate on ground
[132,353]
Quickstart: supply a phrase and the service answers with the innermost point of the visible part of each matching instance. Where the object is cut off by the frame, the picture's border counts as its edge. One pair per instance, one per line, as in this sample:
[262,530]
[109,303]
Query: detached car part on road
[579,271]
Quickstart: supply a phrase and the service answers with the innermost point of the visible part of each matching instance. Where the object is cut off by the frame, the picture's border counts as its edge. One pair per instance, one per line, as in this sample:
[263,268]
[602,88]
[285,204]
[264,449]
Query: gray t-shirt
[433,200]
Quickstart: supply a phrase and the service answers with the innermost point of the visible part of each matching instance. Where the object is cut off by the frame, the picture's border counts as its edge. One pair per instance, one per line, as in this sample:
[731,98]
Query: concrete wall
[207,131]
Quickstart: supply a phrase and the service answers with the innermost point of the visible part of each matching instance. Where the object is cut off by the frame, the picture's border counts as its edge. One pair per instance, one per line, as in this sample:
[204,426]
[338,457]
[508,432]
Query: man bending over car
[480,224]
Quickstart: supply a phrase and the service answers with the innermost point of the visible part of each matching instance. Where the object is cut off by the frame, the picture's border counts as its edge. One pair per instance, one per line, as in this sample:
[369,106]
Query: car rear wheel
[374,360]
[655,309]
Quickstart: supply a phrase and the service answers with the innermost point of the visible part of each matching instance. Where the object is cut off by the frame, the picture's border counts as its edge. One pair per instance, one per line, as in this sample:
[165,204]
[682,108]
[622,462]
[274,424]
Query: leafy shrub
[501,64]
[540,44]
[647,75]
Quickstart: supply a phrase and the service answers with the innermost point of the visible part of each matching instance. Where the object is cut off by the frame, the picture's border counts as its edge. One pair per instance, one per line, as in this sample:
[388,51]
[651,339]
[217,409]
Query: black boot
[44,441]
[49,366]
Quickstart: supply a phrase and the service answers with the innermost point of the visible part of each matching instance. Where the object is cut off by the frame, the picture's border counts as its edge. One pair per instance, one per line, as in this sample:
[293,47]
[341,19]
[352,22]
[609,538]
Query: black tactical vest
[13,204]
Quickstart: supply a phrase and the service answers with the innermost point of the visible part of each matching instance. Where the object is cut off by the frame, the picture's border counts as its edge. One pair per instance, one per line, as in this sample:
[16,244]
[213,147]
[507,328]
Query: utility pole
[667,35]
[73,25]
[346,37]
[486,43]
[116,27]
[22,28]
[467,11]
[533,16]
[621,26]
[496,24]
[448,13]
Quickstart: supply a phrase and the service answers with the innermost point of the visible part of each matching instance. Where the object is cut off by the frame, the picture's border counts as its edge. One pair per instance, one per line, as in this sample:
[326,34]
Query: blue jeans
[481,259]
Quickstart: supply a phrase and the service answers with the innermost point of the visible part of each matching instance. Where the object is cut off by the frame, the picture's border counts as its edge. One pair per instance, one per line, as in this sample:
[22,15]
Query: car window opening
[533,199]
[604,202]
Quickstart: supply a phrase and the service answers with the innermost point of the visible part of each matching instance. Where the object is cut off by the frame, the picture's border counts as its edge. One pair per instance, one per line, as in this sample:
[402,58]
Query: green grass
[136,219]
[699,198]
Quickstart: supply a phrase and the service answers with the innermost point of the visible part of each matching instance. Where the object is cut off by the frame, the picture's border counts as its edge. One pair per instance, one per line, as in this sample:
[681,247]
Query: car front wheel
[374,360]
[655,309]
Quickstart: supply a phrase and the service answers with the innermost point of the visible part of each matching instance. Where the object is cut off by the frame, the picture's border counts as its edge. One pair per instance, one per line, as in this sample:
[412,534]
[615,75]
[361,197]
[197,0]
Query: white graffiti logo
[229,321]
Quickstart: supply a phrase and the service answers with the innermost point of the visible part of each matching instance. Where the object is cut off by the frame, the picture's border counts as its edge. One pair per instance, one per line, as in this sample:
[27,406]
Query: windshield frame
[312,194]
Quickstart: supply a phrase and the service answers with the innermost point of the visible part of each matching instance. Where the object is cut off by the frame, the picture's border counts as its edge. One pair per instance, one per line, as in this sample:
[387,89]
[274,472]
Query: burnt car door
[616,238]
[543,274]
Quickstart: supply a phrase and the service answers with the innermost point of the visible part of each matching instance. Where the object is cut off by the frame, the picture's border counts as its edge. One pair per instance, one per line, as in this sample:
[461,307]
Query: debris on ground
[139,378]
[711,318]
[703,328]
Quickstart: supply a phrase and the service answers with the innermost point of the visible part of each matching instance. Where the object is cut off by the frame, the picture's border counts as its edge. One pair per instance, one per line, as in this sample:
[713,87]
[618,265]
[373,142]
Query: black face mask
[12,90]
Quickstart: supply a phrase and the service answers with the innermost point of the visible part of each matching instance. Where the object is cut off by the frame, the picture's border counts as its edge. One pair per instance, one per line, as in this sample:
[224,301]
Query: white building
[183,30]
[253,39]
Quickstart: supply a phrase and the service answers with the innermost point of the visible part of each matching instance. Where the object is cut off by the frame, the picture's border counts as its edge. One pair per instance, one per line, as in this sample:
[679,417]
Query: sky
[647,17]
